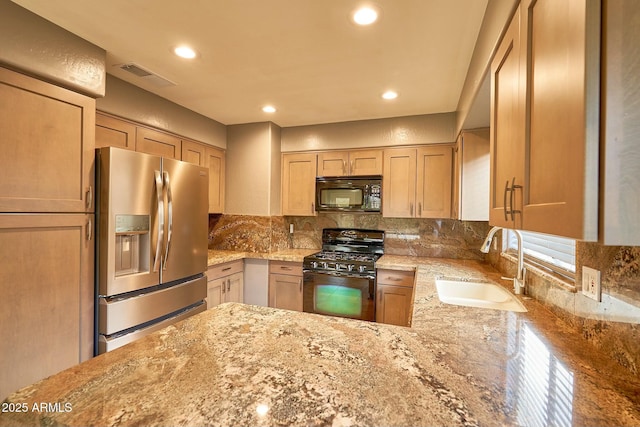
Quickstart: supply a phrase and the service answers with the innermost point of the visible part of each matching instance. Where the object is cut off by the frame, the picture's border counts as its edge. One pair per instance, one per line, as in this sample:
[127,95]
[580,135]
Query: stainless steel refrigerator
[152,215]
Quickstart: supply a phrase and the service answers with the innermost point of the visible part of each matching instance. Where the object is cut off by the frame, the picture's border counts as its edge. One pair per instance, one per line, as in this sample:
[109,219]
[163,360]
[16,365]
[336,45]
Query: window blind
[557,254]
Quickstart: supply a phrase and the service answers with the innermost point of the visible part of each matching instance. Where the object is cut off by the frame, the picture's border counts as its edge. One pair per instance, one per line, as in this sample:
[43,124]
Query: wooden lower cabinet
[394,302]
[47,288]
[225,283]
[285,285]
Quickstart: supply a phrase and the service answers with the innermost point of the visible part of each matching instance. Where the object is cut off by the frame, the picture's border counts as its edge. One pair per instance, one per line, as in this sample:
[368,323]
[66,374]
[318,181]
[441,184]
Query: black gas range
[340,279]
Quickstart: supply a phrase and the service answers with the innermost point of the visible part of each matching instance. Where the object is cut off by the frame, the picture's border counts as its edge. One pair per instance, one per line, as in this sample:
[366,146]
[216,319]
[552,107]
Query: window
[554,253]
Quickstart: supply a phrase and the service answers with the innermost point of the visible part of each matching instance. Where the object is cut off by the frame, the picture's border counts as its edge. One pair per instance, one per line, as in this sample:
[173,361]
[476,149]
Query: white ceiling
[305,57]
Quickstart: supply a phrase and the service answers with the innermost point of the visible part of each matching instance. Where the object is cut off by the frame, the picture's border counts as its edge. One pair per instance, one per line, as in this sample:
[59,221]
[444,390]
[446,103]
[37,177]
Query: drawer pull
[285,268]
[226,269]
[394,279]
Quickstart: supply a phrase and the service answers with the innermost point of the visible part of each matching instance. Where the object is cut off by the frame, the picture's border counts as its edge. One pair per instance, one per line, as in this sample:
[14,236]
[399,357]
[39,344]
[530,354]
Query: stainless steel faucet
[519,280]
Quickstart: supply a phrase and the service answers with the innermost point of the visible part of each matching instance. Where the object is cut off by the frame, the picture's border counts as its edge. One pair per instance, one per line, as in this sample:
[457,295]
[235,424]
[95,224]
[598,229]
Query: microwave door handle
[160,216]
[167,187]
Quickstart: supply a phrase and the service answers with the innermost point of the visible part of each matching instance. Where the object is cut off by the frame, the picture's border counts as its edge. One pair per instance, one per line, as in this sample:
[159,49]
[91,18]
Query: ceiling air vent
[146,75]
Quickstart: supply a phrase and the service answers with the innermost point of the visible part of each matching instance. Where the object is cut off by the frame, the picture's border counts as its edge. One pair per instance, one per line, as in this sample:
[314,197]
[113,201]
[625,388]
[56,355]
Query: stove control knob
[362,268]
[314,264]
[340,267]
[350,267]
[324,264]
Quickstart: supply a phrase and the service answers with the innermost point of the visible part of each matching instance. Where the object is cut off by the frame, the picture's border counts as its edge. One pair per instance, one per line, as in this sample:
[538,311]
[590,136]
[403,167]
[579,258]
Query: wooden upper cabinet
[158,143]
[417,182]
[193,152]
[47,135]
[298,184]
[365,162]
[562,57]
[114,132]
[214,160]
[471,176]
[544,120]
[621,124]
[434,179]
[506,131]
[399,183]
[350,163]
[333,163]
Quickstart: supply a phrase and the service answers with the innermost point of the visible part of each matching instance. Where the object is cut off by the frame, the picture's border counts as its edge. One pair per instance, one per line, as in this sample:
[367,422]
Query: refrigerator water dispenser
[132,244]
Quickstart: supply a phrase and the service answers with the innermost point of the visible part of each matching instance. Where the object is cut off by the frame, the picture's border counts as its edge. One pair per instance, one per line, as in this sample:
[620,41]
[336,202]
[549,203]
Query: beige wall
[34,45]
[131,102]
[410,130]
[276,172]
[253,169]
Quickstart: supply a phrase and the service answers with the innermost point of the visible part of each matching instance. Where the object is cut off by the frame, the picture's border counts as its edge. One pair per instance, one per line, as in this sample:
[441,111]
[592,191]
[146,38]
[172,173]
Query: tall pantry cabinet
[545,120]
[46,229]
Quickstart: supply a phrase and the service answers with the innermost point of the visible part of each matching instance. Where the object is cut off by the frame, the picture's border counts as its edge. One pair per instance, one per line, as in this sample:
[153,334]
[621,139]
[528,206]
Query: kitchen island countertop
[246,365]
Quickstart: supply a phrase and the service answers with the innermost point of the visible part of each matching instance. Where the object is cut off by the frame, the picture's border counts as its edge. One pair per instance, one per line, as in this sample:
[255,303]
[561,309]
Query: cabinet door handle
[411,208]
[344,167]
[89,230]
[300,284]
[228,285]
[512,198]
[420,209]
[313,207]
[224,286]
[380,296]
[504,201]
[90,197]
[351,167]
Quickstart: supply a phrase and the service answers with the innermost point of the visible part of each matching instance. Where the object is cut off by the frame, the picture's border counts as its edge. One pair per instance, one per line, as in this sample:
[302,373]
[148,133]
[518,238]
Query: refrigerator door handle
[160,213]
[167,186]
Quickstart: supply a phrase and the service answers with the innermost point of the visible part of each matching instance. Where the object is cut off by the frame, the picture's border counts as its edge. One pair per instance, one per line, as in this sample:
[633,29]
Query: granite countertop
[245,365]
[294,255]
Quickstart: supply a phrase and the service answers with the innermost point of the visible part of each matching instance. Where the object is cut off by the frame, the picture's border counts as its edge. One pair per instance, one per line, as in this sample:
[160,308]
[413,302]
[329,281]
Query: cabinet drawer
[395,278]
[221,270]
[285,267]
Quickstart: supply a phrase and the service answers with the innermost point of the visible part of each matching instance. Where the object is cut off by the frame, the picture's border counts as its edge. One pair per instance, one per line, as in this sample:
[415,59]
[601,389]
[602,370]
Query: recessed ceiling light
[390,95]
[365,15]
[185,52]
[269,109]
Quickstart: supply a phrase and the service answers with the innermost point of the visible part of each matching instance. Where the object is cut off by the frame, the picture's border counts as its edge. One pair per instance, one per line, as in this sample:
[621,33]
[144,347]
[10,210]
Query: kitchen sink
[477,294]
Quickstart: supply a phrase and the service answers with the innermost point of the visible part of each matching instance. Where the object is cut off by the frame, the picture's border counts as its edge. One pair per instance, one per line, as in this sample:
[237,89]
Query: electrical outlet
[291,228]
[591,283]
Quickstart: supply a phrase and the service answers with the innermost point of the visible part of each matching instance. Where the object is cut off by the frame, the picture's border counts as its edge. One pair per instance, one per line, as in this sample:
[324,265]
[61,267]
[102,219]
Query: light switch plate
[591,283]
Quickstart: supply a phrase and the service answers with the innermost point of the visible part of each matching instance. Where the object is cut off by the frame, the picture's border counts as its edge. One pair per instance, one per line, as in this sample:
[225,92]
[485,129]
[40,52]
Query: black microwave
[349,194]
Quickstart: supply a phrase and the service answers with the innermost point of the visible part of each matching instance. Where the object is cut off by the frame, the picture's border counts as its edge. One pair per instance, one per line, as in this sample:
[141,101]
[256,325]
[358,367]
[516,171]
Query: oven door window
[351,297]
[344,198]
[338,300]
